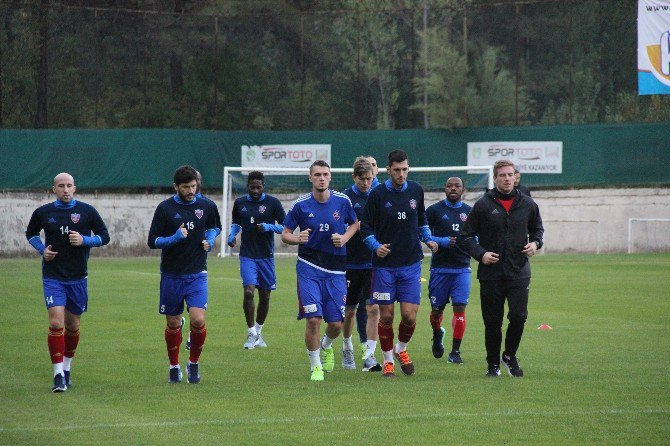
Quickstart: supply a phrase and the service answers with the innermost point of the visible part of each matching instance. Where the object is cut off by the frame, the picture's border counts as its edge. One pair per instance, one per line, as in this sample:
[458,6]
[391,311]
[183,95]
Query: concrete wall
[128,218]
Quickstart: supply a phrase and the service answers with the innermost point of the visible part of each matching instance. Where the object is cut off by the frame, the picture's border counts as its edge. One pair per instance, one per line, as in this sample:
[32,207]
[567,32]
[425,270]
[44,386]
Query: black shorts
[358,286]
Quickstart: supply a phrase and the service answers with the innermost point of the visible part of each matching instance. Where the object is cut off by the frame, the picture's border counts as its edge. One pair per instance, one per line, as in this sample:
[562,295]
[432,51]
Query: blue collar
[60,205]
[262,197]
[180,201]
[390,187]
[199,195]
[375,183]
[358,192]
[456,205]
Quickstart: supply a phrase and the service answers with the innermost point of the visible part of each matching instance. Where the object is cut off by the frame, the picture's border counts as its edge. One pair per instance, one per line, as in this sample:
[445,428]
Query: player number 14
[64,230]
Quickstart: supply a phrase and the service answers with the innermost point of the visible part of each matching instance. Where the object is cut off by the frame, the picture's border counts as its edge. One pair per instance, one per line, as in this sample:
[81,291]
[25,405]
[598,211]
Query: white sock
[370,347]
[314,358]
[174,366]
[388,356]
[252,331]
[400,347]
[189,362]
[58,369]
[67,363]
[258,328]
[347,344]
[326,342]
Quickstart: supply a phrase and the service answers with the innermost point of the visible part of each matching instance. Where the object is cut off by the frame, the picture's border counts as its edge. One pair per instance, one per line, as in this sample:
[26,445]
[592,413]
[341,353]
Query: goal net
[648,235]
[287,184]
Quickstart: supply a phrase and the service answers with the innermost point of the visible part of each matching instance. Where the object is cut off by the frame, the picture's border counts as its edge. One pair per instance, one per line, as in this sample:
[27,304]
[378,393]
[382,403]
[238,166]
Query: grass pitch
[600,376]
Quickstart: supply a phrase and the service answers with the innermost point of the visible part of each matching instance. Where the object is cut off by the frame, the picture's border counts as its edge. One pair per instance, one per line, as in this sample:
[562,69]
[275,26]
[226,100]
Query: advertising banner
[527,156]
[653,47]
[285,155]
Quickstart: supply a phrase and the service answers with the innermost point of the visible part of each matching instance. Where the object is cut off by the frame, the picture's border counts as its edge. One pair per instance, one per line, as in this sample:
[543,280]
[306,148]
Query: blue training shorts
[175,290]
[71,294]
[320,293]
[402,284]
[258,272]
[443,286]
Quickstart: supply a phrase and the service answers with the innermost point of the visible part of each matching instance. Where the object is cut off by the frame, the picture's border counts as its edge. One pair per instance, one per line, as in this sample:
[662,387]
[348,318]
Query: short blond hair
[499,164]
[361,166]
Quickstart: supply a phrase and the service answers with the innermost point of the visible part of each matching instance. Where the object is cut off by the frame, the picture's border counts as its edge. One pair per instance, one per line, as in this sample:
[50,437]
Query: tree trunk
[41,116]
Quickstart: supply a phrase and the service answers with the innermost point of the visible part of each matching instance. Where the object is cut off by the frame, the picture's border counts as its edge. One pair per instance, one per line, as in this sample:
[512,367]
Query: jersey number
[324,227]
[402,216]
[189,225]
[456,227]
[252,220]
[64,229]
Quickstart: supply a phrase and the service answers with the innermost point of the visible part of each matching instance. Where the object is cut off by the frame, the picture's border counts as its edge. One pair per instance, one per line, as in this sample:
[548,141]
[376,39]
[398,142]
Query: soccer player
[258,216]
[449,268]
[322,216]
[185,228]
[199,194]
[68,226]
[359,275]
[517,183]
[362,325]
[504,229]
[393,226]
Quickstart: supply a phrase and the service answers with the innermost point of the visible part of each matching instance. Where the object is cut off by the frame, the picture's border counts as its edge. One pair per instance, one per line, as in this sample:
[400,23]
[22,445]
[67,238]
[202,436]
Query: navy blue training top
[57,219]
[186,256]
[358,255]
[247,213]
[394,216]
[446,220]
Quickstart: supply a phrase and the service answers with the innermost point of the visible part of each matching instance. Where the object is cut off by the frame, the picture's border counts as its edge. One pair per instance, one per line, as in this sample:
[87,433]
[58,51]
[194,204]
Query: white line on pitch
[509,413]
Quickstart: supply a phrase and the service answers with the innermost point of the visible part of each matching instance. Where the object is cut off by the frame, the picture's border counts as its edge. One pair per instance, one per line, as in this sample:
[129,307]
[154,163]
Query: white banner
[527,156]
[285,155]
[653,46]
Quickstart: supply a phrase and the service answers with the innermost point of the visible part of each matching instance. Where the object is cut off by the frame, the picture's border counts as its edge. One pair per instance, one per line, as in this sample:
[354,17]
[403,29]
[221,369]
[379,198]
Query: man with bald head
[71,228]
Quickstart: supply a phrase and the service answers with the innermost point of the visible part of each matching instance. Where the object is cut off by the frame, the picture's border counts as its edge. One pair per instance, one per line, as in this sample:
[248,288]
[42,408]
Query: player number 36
[402,216]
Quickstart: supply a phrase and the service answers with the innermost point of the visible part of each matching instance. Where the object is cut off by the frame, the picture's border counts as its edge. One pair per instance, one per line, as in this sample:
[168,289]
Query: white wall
[128,218]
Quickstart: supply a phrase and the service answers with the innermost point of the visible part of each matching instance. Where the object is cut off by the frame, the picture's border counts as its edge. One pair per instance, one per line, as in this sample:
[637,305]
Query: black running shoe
[455,357]
[493,371]
[59,383]
[193,373]
[512,366]
[438,343]
[175,375]
[68,378]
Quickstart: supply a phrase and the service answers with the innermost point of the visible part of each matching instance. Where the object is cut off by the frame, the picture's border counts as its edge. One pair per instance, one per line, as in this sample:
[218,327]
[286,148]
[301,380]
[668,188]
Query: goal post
[578,236]
[287,184]
[657,236]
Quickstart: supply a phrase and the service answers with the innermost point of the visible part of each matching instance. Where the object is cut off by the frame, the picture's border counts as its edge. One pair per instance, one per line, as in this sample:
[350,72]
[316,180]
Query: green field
[602,375]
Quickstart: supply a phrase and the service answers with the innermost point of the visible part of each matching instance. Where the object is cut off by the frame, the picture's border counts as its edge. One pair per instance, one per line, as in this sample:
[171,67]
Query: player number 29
[324,227]
[402,216]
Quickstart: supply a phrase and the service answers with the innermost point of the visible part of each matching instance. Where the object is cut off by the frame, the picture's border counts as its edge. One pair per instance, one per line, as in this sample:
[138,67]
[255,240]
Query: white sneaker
[260,342]
[348,361]
[251,341]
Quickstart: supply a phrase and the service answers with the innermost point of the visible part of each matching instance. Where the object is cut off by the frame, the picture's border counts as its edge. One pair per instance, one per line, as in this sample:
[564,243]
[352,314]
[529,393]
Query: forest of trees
[319,64]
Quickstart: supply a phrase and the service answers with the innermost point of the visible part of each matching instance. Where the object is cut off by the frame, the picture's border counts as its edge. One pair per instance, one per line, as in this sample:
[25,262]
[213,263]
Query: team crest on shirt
[412,203]
[75,218]
[463,216]
[199,213]
[262,209]
[336,215]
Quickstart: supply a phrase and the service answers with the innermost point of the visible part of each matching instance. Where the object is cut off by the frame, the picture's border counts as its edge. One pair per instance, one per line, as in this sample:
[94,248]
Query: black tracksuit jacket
[504,233]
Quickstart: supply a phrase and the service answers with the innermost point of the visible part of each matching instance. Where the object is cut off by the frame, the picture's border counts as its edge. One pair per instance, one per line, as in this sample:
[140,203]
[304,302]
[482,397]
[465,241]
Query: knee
[350,311]
[174,323]
[373,311]
[517,317]
[56,325]
[248,295]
